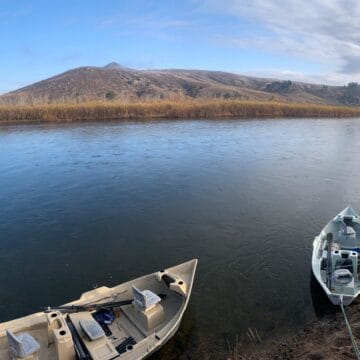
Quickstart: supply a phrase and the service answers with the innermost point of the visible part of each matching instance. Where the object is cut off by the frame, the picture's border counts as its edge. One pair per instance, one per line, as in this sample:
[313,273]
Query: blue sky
[311,41]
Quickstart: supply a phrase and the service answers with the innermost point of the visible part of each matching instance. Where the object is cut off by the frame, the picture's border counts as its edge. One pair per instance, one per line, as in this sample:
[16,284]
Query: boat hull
[338,294]
[175,299]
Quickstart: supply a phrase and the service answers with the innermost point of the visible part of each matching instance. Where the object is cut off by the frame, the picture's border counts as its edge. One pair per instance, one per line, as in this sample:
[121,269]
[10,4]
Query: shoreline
[324,338]
[114,111]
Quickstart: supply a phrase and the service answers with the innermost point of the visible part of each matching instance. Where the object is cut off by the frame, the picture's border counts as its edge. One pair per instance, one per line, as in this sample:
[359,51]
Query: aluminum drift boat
[128,321]
[335,258]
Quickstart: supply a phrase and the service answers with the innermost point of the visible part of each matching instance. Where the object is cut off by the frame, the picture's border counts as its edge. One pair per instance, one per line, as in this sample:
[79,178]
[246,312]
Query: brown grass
[99,111]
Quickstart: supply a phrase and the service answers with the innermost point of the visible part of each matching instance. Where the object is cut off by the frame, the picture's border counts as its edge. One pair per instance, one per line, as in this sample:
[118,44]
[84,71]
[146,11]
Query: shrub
[110,95]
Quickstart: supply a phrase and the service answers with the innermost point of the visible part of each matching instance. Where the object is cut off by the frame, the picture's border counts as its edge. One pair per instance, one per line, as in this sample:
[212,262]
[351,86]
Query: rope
[353,341]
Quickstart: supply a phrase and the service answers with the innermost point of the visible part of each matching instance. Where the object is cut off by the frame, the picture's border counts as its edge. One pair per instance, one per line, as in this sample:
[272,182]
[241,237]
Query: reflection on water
[90,204]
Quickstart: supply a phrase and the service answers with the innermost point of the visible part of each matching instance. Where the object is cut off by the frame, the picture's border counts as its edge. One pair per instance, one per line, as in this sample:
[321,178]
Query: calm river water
[93,204]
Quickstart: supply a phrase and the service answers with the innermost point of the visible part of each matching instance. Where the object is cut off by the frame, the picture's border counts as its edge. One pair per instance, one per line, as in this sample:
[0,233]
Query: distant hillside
[115,82]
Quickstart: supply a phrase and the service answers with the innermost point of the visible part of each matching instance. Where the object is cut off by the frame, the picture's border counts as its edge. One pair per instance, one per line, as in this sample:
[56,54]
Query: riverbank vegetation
[100,111]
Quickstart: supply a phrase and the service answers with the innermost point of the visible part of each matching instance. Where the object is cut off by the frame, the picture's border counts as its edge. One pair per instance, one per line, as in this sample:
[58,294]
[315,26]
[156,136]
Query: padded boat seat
[146,311]
[342,276]
[22,345]
[145,299]
[92,329]
[99,349]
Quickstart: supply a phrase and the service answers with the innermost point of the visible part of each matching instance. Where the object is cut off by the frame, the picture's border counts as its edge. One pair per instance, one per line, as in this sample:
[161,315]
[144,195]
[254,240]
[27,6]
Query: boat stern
[336,299]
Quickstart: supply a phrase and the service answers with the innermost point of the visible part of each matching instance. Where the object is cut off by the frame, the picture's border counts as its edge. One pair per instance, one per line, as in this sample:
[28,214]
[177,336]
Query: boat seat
[342,277]
[92,329]
[146,311]
[145,299]
[345,259]
[99,349]
[22,346]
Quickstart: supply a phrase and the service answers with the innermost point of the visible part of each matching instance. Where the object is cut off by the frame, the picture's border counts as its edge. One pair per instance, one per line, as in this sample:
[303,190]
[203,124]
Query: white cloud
[323,78]
[325,31]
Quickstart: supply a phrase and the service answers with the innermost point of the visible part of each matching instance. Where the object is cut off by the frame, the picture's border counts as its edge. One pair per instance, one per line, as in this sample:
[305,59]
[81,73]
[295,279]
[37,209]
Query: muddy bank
[325,338]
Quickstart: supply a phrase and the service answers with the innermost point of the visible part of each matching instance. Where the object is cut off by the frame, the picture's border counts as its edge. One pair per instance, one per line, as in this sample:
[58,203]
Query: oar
[329,239]
[90,307]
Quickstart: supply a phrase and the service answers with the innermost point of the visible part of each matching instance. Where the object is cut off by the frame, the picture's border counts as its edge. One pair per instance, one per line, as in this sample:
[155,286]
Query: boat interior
[342,236]
[99,334]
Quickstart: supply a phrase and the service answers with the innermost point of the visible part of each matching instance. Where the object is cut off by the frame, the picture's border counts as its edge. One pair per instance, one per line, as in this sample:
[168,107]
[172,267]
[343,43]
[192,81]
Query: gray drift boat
[128,321]
[335,257]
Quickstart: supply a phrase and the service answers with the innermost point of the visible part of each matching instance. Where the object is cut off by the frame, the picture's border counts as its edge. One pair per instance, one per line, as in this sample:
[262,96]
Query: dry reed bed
[168,109]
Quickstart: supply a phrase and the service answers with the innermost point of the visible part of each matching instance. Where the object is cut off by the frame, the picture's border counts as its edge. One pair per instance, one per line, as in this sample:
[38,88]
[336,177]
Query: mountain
[116,82]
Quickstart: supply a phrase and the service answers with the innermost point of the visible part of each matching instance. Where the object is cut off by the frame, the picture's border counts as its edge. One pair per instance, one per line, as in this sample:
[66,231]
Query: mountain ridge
[116,82]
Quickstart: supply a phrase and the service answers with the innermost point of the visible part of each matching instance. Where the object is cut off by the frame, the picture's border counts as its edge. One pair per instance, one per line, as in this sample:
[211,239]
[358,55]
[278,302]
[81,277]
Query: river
[90,204]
